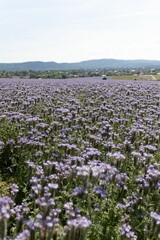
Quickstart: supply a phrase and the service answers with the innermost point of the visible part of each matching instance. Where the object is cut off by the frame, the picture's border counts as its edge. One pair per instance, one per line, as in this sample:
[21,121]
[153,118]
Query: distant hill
[89,64]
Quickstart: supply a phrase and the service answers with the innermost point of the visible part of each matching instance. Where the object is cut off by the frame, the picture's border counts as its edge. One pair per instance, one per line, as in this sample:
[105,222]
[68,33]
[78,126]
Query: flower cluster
[77,155]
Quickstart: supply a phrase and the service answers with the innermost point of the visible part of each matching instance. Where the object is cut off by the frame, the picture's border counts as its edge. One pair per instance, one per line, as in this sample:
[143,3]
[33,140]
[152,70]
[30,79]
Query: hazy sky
[75,30]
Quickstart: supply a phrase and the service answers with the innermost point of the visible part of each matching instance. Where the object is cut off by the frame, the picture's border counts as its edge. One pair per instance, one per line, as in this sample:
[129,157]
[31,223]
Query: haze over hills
[89,64]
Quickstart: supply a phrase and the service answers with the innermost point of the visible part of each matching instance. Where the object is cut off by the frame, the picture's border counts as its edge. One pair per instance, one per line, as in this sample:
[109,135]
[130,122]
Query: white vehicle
[104,77]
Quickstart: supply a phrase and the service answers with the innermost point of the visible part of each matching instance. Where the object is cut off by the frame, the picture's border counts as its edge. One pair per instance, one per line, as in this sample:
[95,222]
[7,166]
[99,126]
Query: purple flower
[156,217]
[79,191]
[14,189]
[53,185]
[68,205]
[100,191]
[127,232]
[81,222]
[23,236]
[44,203]
[19,211]
[31,225]
[151,148]
[50,222]
[5,207]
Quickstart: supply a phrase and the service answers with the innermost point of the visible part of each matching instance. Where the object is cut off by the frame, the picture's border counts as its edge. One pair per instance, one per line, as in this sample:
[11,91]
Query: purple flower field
[81,159]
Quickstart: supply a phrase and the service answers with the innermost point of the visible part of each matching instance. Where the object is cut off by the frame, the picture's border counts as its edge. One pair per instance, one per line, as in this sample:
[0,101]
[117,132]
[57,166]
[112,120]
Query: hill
[89,64]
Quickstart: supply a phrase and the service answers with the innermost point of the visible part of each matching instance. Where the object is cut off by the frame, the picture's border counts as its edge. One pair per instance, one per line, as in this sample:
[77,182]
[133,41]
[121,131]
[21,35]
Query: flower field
[79,159]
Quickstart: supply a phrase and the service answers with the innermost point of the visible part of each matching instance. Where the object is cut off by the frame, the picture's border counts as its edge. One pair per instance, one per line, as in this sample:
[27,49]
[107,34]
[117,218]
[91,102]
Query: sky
[77,30]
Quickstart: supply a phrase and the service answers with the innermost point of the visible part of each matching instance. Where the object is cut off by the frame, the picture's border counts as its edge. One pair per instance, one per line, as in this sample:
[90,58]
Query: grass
[157,77]
[124,77]
[132,77]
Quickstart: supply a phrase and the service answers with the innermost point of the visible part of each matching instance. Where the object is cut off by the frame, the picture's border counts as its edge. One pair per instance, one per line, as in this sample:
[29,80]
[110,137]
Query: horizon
[94,59]
[69,31]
